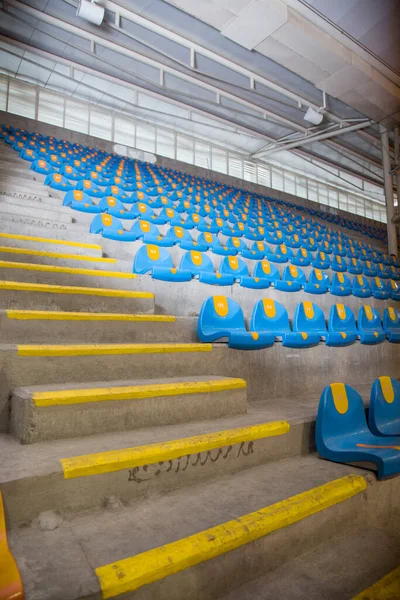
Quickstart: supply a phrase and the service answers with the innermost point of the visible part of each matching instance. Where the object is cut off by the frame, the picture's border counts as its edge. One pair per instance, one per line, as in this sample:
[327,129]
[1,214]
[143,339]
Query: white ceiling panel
[206,10]
[256,22]
[343,81]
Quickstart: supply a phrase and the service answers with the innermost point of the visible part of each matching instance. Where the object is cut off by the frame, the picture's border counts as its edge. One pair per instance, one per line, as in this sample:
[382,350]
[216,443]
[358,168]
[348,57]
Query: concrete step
[44,326]
[27,215]
[48,208]
[338,569]
[31,242]
[143,462]
[57,233]
[200,542]
[20,184]
[41,413]
[50,256]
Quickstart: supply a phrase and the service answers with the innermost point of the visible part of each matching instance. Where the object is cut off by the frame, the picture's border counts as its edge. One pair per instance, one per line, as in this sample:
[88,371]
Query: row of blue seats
[221,319]
[343,434]
[196,265]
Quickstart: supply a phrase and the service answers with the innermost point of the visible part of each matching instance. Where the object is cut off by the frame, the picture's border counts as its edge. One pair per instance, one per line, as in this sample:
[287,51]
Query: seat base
[381,295]
[316,288]
[341,290]
[300,262]
[372,337]
[216,279]
[247,340]
[362,293]
[338,338]
[165,274]
[287,286]
[300,340]
[394,337]
[255,283]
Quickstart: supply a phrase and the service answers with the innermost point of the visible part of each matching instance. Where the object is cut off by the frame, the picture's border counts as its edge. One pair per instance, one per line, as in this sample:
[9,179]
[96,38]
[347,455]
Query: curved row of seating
[344,435]
[222,319]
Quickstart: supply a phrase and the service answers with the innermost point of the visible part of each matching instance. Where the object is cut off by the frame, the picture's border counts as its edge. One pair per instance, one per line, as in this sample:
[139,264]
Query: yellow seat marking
[11,587]
[127,458]
[387,588]
[101,349]
[55,315]
[31,238]
[387,389]
[340,399]
[5,264]
[135,392]
[376,447]
[71,289]
[221,306]
[132,573]
[7,249]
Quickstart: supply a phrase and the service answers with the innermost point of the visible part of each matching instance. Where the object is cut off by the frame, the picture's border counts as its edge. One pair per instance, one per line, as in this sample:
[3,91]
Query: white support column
[391,227]
[397,161]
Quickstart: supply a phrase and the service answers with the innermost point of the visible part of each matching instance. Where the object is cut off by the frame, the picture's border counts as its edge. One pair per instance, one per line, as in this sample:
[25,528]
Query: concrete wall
[88,140]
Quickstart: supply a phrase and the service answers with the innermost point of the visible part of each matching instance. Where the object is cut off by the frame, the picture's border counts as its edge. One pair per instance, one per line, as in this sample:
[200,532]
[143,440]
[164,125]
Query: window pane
[3,93]
[235,165]
[218,160]
[322,194]
[22,98]
[145,137]
[289,183]
[185,149]
[301,186]
[100,123]
[343,201]
[202,154]
[264,175]
[277,179]
[249,171]
[368,209]
[333,197]
[51,108]
[165,143]
[124,131]
[76,116]
[312,191]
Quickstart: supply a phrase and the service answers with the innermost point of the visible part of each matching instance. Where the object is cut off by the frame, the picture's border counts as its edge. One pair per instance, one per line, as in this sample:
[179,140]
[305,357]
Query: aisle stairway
[137,461]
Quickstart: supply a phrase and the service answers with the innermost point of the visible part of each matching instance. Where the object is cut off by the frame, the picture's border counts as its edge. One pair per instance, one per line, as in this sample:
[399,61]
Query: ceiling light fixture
[90,11]
[315,116]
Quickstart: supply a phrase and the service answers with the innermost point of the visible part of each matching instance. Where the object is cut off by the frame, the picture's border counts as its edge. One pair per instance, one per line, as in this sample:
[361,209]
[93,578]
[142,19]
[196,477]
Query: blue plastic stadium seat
[342,321]
[318,282]
[234,265]
[355,267]
[147,231]
[394,273]
[302,259]
[391,324]
[369,269]
[261,249]
[41,166]
[200,265]
[271,317]
[221,250]
[113,207]
[384,407]
[136,196]
[195,221]
[339,250]
[309,318]
[379,289]
[281,254]
[78,200]
[158,261]
[370,326]
[237,244]
[321,261]
[90,188]
[111,228]
[140,210]
[181,236]
[338,264]
[117,192]
[361,288]
[341,285]
[394,289]
[293,279]
[253,234]
[293,241]
[222,318]
[342,434]
[71,173]
[267,271]
[58,182]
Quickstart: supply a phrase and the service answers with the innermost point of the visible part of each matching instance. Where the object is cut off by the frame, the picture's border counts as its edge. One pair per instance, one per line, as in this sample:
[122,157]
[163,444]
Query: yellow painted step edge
[10,579]
[71,289]
[9,250]
[54,315]
[135,392]
[31,238]
[132,573]
[387,588]
[98,349]
[5,264]
[127,458]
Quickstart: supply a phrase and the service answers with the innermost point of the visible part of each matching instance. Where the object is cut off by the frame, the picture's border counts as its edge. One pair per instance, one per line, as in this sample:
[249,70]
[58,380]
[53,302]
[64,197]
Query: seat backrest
[378,284]
[321,257]
[260,247]
[108,203]
[233,265]
[308,317]
[341,318]
[105,222]
[236,243]
[206,238]
[391,319]
[369,319]
[221,313]
[304,253]
[319,277]
[340,280]
[265,269]
[284,251]
[196,262]
[341,414]
[149,256]
[76,196]
[292,273]
[269,315]
[178,234]
[360,282]
[142,227]
[384,406]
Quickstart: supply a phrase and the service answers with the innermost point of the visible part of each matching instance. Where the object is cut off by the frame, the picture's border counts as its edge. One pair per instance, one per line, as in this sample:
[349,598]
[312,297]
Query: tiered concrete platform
[136,462]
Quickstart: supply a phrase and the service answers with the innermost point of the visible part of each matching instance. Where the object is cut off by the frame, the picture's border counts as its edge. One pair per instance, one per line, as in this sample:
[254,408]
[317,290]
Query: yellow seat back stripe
[99,349]
[5,264]
[10,580]
[132,573]
[48,288]
[31,238]
[9,250]
[135,392]
[54,315]
[127,458]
